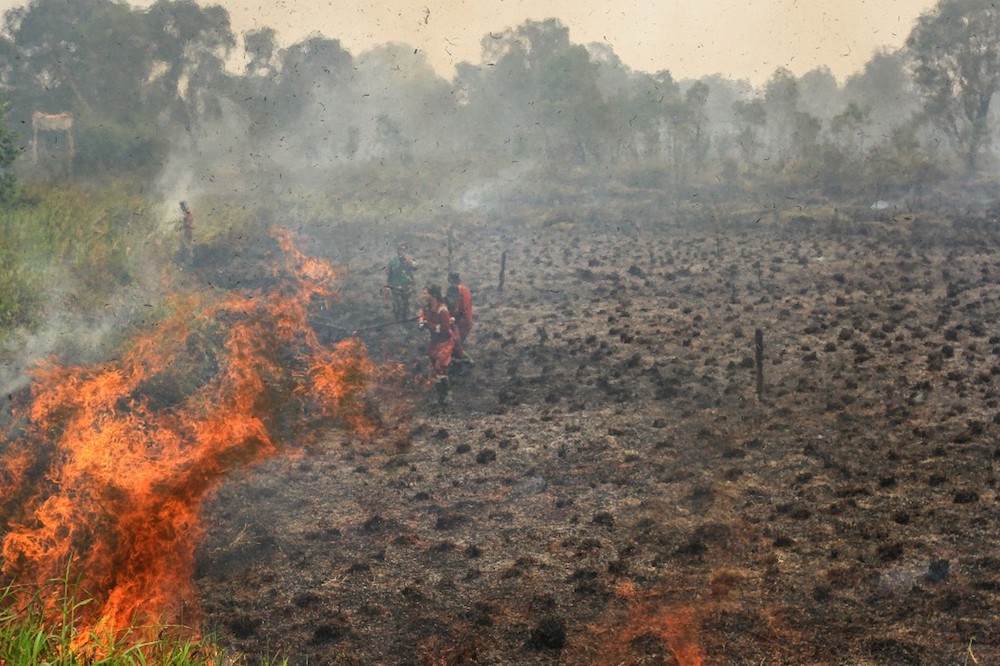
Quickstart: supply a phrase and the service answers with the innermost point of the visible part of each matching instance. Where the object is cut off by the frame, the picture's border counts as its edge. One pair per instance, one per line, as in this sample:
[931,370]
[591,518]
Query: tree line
[142,82]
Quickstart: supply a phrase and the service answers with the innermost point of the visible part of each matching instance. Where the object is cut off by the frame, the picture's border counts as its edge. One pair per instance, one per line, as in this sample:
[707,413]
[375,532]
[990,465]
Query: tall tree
[751,119]
[781,102]
[399,79]
[685,132]
[885,88]
[123,72]
[819,93]
[261,47]
[849,129]
[618,87]
[188,46]
[306,99]
[572,111]
[956,51]
[80,56]
[538,94]
[257,98]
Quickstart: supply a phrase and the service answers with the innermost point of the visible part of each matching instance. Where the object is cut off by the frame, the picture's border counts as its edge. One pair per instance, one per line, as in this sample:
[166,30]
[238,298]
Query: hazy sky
[736,38]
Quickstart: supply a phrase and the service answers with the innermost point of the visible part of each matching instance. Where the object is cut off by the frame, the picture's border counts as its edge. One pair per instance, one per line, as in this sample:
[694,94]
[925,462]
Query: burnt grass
[609,463]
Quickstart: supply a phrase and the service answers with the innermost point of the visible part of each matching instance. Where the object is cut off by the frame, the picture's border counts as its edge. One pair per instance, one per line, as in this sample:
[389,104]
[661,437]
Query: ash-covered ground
[607,485]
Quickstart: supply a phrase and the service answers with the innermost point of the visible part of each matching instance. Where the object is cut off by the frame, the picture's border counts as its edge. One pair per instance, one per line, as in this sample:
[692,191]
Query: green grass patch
[32,636]
[84,243]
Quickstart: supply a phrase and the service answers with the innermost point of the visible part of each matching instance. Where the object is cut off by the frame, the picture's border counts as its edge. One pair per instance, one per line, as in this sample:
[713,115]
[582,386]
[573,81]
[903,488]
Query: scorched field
[627,476]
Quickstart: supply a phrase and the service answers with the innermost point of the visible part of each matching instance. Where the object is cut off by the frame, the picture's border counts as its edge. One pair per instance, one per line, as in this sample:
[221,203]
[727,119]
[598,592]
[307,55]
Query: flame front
[114,461]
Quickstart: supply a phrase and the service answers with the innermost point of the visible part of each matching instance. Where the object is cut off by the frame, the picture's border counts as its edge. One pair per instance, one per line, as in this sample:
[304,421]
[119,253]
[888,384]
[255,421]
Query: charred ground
[606,485]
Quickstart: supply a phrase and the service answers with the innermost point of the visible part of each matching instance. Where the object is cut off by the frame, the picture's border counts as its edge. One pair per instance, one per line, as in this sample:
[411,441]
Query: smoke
[204,158]
[489,195]
[73,333]
[319,113]
[78,326]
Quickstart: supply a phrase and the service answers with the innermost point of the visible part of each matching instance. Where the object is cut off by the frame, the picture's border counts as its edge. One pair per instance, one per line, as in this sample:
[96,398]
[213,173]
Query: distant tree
[721,117]
[806,133]
[538,94]
[303,104]
[695,103]
[257,97]
[614,77]
[901,166]
[390,140]
[621,89]
[310,70]
[398,81]
[781,103]
[88,55]
[261,47]
[792,132]
[8,56]
[819,93]
[188,48]
[885,88]
[751,119]
[572,111]
[125,73]
[956,52]
[653,98]
[849,128]
[687,133]
[8,153]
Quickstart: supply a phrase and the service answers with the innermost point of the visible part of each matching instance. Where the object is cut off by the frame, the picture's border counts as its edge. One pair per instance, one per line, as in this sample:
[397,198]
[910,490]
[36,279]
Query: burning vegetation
[109,465]
[685,441]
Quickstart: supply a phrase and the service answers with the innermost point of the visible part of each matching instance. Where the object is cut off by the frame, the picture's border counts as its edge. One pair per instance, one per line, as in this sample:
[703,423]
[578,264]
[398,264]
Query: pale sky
[691,38]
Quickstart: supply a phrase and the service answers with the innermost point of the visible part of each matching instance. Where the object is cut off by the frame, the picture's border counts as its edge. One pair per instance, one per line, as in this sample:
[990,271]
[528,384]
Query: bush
[117,148]
[70,238]
[8,152]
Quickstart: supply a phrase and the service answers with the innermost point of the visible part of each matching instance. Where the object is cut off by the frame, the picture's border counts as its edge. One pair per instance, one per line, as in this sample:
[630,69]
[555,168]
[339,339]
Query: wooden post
[58,122]
[451,244]
[503,269]
[758,343]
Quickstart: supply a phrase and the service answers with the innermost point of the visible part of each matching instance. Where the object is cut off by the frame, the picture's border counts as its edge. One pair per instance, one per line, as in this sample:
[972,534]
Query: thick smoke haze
[332,129]
[692,39]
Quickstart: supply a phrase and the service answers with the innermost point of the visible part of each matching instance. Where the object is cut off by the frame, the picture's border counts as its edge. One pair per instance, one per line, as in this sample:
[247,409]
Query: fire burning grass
[28,637]
[107,474]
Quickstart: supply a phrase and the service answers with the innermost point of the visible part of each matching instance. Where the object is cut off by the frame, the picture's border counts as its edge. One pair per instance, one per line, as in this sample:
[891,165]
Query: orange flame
[677,626]
[115,460]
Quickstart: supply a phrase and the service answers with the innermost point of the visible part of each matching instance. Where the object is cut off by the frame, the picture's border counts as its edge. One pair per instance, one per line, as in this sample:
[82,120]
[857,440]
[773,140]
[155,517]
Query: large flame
[107,477]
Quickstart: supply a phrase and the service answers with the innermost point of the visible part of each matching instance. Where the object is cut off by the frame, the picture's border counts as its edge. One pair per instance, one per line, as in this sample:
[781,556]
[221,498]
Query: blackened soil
[607,485]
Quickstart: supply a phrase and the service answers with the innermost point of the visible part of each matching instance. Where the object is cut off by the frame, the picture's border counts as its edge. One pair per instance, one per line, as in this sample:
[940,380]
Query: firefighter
[458,298]
[187,238]
[400,273]
[436,319]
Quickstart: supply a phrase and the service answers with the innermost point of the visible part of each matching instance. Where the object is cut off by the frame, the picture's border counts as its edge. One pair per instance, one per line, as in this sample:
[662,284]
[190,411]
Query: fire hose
[373,327]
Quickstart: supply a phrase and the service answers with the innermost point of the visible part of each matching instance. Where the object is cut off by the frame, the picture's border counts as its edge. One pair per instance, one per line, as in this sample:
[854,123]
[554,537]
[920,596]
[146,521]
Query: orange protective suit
[441,325]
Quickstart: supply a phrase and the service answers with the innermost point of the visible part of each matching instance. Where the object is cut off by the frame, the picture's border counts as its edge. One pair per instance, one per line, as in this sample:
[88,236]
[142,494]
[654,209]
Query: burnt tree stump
[503,270]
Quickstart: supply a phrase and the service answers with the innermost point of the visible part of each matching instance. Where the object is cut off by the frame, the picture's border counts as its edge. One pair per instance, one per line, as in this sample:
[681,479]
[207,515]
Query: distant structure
[54,122]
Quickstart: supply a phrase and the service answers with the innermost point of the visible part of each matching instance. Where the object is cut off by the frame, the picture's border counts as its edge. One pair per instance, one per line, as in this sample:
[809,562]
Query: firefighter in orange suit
[437,320]
[458,298]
